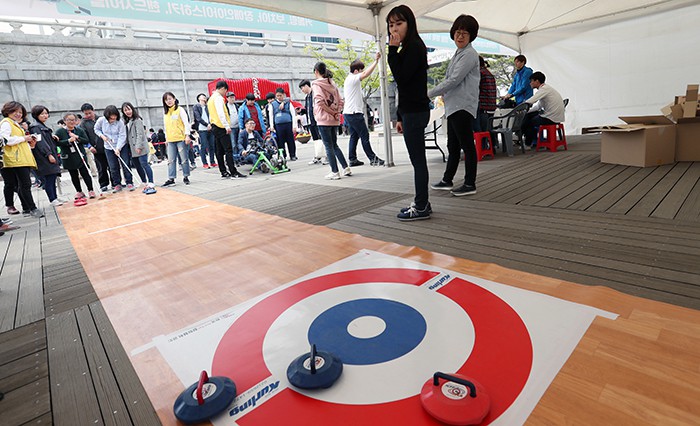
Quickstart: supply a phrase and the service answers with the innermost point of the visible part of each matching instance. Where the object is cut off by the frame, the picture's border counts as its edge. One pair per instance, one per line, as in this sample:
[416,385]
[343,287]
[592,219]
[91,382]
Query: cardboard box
[690,109]
[688,139]
[673,111]
[643,142]
[691,92]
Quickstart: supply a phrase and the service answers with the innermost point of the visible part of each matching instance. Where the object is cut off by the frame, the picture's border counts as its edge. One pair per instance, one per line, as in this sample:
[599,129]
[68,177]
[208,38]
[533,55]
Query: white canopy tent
[609,58]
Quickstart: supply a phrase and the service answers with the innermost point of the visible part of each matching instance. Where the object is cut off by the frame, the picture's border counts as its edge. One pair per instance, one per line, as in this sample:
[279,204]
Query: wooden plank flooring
[604,382]
[69,369]
[563,216]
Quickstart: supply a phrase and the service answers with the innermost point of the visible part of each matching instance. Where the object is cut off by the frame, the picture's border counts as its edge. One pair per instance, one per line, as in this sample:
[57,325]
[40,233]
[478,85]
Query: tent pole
[386,117]
[184,84]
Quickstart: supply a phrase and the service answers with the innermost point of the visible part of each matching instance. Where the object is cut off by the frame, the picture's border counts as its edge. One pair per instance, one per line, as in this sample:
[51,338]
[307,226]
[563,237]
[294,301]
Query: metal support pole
[184,84]
[386,117]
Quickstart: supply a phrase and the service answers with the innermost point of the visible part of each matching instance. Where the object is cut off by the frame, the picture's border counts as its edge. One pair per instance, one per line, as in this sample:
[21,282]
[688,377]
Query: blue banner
[194,13]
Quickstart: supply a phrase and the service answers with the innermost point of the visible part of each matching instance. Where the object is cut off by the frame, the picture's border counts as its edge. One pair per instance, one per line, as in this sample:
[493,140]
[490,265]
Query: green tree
[501,67]
[341,68]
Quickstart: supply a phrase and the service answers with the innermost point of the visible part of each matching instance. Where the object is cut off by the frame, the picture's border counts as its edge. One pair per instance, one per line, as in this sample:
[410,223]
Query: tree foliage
[348,53]
[501,67]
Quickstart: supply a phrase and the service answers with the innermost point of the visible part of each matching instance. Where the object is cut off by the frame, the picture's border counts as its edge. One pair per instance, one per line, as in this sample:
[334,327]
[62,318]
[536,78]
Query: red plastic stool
[482,152]
[554,137]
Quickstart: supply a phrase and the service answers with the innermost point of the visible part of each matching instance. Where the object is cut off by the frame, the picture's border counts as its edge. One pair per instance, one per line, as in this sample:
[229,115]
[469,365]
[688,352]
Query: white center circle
[366,327]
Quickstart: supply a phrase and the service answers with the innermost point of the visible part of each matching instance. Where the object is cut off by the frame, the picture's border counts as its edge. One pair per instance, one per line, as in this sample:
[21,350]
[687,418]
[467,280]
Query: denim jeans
[358,130]
[177,150]
[115,165]
[206,140]
[329,135]
[50,186]
[460,137]
[143,168]
[531,125]
[285,134]
[414,124]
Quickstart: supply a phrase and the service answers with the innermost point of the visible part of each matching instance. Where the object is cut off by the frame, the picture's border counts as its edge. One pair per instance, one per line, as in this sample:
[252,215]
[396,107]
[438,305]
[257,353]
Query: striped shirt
[487,91]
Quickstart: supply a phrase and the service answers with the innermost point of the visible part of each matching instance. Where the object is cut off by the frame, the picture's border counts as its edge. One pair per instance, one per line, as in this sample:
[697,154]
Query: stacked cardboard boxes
[684,112]
[656,139]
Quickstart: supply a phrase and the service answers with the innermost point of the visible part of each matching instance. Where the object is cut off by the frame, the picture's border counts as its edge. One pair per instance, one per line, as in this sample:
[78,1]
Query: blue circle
[405,329]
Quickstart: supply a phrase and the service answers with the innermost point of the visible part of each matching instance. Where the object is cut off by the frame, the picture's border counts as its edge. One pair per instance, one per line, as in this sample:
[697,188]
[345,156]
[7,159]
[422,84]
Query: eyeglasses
[461,34]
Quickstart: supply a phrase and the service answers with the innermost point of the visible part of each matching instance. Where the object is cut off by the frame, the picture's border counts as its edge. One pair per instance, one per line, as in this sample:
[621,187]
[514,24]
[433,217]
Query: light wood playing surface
[159,263]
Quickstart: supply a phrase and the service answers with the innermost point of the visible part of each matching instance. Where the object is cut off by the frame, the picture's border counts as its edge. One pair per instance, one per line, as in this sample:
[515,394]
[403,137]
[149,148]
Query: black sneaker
[377,162]
[186,180]
[405,209]
[413,214]
[294,158]
[355,163]
[25,213]
[238,175]
[104,189]
[464,190]
[442,185]
[225,176]
[169,182]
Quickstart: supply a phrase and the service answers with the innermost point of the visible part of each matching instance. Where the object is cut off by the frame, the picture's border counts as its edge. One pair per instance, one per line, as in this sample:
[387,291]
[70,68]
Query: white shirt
[550,101]
[352,91]
[6,133]
[233,110]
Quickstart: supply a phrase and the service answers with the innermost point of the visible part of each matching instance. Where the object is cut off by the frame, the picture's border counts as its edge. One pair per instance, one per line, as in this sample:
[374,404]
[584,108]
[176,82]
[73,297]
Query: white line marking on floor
[148,220]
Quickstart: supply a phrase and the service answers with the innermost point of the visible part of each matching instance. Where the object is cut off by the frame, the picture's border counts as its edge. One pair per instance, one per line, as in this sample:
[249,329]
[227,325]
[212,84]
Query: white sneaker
[347,172]
[314,161]
[333,176]
[56,203]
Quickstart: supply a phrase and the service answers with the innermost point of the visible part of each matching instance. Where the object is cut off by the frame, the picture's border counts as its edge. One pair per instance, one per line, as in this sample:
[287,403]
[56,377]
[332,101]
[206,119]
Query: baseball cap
[230,94]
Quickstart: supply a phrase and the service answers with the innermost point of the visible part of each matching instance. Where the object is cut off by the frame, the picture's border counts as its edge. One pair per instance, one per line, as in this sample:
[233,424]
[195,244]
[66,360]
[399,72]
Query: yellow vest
[19,155]
[174,127]
[213,115]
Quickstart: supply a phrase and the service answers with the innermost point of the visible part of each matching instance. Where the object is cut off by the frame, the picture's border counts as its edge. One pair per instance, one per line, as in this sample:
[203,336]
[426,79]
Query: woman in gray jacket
[460,92]
[136,138]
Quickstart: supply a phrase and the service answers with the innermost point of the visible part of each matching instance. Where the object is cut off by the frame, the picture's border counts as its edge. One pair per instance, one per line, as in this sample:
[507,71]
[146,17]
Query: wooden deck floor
[563,217]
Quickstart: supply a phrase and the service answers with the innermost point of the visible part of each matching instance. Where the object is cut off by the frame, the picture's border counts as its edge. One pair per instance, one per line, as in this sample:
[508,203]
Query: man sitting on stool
[549,109]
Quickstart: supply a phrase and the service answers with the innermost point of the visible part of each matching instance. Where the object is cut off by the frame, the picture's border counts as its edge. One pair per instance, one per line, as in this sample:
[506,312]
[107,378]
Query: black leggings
[17,179]
[76,180]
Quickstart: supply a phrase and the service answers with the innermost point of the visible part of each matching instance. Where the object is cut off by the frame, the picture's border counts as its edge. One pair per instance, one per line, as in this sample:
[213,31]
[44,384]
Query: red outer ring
[501,358]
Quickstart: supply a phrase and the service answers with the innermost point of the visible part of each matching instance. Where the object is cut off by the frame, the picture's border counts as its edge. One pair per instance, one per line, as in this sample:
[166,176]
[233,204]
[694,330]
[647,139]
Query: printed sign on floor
[393,323]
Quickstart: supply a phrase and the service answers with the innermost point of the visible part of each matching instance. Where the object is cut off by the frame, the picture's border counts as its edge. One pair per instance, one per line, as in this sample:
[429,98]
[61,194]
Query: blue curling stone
[328,369]
[218,393]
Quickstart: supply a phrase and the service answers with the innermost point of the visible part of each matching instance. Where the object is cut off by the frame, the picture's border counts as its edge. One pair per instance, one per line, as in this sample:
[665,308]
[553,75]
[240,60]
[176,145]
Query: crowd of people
[225,135]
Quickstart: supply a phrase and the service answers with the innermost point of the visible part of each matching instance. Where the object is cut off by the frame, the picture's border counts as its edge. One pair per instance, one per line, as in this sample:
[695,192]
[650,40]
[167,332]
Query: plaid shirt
[487,91]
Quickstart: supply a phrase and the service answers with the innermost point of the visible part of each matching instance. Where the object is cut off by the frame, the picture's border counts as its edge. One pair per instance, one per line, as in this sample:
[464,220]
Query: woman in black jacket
[409,66]
[45,153]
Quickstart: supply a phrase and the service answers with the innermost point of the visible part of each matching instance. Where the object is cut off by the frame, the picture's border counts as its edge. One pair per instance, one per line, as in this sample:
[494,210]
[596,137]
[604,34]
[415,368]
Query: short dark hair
[61,122]
[37,110]
[304,83]
[13,106]
[482,62]
[151,130]
[220,84]
[466,23]
[248,121]
[111,110]
[86,107]
[539,76]
[279,90]
[521,58]
[79,116]
[357,65]
[250,97]
[270,95]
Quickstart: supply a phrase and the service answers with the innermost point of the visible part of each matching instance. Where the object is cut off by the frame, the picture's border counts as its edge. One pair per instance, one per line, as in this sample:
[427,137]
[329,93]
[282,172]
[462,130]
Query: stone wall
[62,71]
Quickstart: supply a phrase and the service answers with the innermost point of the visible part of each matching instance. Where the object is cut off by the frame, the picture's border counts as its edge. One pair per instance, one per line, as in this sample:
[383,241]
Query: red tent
[257,86]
